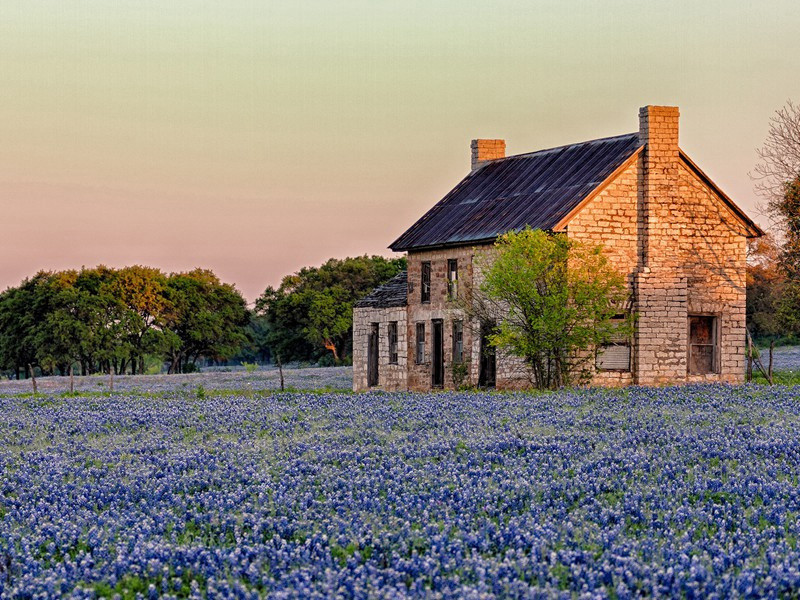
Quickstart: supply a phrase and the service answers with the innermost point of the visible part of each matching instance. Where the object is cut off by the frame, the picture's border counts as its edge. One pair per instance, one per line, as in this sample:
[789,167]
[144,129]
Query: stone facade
[439,307]
[391,376]
[678,239]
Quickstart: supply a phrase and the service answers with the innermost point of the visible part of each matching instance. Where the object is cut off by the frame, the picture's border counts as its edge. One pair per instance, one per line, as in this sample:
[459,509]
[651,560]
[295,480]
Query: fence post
[33,379]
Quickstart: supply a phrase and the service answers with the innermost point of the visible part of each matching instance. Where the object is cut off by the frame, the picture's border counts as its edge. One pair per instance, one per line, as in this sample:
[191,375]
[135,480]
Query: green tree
[311,312]
[777,178]
[205,318]
[140,290]
[23,311]
[789,302]
[553,301]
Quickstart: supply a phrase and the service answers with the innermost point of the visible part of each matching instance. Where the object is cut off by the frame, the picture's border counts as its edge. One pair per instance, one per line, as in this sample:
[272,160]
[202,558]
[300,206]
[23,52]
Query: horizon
[255,140]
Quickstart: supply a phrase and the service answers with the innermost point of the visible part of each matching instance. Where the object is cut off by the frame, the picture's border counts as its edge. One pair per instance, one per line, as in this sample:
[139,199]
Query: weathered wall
[682,250]
[610,220]
[419,375]
[691,260]
[512,372]
[714,247]
[390,376]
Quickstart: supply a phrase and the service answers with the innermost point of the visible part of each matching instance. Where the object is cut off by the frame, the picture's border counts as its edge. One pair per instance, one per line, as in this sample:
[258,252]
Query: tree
[553,301]
[311,312]
[778,181]
[779,157]
[23,312]
[205,317]
[141,292]
[765,283]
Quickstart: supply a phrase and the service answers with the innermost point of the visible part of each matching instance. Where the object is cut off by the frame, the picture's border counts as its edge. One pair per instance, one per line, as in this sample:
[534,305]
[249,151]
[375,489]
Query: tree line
[105,320]
[110,320]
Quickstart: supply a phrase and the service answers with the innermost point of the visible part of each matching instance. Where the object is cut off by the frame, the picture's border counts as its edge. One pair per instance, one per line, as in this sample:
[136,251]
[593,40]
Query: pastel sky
[256,137]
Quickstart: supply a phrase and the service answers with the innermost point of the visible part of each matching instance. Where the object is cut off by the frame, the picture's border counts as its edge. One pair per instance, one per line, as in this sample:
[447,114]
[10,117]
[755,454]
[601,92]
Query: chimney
[485,150]
[658,129]
[661,292]
[658,132]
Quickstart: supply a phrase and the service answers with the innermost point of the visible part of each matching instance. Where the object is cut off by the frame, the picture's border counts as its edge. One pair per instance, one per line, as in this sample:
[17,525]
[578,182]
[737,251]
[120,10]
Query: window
[616,354]
[458,341]
[420,343]
[426,282]
[703,350]
[452,279]
[392,335]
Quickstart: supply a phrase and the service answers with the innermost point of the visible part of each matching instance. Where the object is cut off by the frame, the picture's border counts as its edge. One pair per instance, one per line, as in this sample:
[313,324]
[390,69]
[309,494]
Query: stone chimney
[658,132]
[660,285]
[485,150]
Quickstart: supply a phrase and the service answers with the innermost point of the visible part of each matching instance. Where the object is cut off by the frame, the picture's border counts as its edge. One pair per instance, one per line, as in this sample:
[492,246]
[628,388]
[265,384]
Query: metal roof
[537,189]
[392,293]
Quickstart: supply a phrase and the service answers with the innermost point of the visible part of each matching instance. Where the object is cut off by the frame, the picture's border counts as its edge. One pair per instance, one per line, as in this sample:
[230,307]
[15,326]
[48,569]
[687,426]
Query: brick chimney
[486,150]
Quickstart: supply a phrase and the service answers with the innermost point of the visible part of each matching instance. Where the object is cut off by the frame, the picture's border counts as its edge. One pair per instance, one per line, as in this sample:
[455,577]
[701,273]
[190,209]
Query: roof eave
[477,242]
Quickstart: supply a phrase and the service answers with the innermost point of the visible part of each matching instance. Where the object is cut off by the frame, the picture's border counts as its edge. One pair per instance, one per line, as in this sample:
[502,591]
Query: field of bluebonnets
[173,490]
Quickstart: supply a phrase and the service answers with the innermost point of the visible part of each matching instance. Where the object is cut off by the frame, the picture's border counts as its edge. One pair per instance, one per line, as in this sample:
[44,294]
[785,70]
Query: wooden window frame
[420,343]
[618,341]
[452,278]
[425,282]
[715,343]
[458,344]
[391,334]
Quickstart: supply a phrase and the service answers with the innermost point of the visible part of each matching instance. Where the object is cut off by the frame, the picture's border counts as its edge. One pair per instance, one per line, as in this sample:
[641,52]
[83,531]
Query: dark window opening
[458,341]
[452,279]
[392,335]
[426,282]
[420,343]
[703,350]
[616,354]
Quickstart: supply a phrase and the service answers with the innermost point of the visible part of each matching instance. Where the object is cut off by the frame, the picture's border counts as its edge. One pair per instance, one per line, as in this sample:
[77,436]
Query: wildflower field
[201,492]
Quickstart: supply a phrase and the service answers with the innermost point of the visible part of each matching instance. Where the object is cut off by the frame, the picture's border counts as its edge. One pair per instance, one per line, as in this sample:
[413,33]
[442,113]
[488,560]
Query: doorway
[437,355]
[372,356]
[487,376]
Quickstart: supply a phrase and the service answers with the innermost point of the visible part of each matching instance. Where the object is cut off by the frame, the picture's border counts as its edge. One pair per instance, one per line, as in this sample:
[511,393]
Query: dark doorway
[487,376]
[372,356]
[437,354]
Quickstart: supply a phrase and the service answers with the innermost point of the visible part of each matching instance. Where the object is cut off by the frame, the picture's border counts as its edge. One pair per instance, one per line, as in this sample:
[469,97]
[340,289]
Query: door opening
[437,354]
[372,356]
[487,377]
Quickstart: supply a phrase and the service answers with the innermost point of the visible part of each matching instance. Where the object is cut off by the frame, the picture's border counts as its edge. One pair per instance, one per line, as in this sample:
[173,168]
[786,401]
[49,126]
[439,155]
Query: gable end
[753,230]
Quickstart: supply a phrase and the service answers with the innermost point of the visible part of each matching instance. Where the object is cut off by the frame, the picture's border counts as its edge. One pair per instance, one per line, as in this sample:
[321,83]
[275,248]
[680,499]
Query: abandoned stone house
[679,239]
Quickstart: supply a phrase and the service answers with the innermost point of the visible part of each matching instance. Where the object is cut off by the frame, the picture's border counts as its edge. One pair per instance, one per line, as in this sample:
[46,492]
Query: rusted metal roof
[392,293]
[537,189]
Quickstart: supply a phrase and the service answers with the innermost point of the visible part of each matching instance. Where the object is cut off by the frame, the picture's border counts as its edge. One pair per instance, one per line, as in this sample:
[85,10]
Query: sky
[257,137]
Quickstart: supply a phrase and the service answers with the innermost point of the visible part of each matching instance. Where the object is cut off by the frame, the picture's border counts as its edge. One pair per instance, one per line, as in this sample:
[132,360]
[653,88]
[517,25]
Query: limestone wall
[439,307]
[610,220]
[390,376]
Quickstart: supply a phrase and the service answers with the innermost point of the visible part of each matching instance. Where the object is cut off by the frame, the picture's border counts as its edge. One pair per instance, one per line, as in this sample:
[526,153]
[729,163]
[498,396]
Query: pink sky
[255,138]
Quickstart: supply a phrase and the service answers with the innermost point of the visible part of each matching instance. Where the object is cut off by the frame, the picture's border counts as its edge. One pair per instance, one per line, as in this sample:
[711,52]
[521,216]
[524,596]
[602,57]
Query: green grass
[781,377]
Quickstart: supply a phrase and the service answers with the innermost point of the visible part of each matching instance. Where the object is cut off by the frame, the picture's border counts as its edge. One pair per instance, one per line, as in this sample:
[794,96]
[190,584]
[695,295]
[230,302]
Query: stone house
[679,239]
